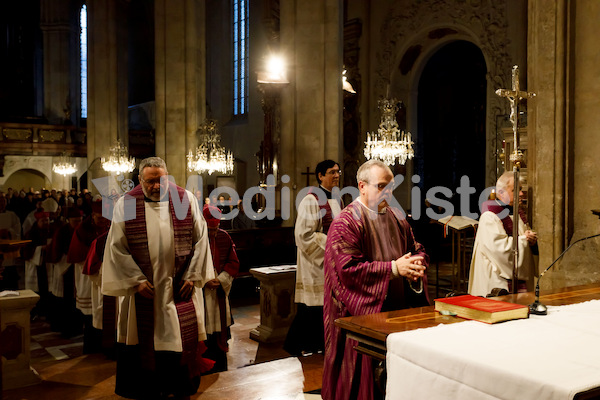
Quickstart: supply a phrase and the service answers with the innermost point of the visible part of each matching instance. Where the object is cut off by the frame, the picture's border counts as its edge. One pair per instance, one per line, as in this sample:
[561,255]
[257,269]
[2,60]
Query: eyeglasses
[380,186]
[334,172]
[152,182]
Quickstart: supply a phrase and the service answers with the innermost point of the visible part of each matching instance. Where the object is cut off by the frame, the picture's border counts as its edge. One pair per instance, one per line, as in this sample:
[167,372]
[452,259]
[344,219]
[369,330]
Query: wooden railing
[42,140]
[29,139]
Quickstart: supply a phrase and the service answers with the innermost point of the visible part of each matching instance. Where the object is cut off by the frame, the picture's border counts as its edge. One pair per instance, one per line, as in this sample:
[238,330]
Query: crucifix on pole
[514,96]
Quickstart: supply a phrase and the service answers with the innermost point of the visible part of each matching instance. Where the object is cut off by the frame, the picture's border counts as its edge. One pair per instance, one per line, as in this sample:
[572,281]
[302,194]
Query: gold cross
[515,96]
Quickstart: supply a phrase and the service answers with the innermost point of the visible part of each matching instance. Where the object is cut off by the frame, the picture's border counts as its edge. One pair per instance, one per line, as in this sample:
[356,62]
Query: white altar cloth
[544,357]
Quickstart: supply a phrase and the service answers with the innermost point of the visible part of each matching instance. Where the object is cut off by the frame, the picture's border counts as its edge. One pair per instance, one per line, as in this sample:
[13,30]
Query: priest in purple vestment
[372,264]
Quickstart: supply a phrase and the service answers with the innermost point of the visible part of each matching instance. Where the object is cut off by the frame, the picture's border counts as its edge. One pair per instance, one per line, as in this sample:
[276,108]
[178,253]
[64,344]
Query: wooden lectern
[462,233]
[15,330]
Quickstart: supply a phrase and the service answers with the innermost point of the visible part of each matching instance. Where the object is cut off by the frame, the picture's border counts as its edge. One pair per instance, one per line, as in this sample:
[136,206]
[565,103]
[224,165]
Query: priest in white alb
[157,259]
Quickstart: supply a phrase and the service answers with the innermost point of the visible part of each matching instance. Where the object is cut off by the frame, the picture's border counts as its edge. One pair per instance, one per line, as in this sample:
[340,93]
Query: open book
[458,222]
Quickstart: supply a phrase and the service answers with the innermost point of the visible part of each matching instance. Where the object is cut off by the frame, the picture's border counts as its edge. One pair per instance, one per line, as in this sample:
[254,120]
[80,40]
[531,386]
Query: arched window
[83,59]
[240,57]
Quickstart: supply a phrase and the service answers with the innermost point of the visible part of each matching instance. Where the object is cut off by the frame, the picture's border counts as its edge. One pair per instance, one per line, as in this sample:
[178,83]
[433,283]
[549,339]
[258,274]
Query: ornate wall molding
[17,134]
[414,30]
[52,135]
[425,23]
[41,164]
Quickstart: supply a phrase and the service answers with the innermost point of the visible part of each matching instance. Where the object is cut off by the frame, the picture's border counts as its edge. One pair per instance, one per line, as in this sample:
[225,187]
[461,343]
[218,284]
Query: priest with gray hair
[493,258]
[157,260]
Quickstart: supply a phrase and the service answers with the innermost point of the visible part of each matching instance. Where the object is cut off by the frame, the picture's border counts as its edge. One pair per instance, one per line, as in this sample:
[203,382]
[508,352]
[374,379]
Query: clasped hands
[411,267]
[213,284]
[531,237]
[146,289]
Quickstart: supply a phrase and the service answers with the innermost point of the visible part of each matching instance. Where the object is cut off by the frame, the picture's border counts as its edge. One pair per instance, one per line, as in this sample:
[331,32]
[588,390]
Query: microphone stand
[537,307]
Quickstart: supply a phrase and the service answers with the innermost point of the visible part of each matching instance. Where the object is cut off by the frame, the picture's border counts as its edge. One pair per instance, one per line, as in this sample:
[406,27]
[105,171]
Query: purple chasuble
[357,270]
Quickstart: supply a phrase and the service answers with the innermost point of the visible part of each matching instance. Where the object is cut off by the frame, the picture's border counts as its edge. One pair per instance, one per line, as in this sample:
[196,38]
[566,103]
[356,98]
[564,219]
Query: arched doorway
[451,121]
[25,179]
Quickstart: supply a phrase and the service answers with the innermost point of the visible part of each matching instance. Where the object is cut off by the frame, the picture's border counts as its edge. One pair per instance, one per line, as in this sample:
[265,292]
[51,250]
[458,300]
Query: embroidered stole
[327,219]
[137,238]
[497,207]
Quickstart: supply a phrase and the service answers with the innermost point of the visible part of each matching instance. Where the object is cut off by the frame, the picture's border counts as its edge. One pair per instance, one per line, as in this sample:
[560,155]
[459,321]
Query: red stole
[137,238]
[82,239]
[497,207]
[327,219]
[60,243]
[93,261]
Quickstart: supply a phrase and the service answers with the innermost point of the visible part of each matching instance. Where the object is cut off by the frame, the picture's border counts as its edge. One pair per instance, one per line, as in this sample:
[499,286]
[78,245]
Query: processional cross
[514,96]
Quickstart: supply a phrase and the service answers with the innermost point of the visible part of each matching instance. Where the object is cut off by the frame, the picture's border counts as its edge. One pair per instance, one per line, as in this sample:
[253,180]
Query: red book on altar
[481,308]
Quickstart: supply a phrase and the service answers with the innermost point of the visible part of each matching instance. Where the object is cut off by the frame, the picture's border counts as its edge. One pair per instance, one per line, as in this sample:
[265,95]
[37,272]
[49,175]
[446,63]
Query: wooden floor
[255,370]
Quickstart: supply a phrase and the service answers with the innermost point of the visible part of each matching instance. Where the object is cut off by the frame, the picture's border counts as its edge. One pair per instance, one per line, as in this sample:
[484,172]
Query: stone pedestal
[15,339]
[277,307]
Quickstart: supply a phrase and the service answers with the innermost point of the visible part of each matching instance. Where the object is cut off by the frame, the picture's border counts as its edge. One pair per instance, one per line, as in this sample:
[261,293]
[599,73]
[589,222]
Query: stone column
[311,106]
[562,59]
[546,114]
[55,25]
[180,80]
[107,80]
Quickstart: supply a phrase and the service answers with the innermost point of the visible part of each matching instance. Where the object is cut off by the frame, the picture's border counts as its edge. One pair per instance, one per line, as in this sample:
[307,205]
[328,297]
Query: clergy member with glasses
[158,259]
[316,211]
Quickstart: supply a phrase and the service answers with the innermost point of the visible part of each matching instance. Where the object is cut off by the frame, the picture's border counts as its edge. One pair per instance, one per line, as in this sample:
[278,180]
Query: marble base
[277,307]
[15,340]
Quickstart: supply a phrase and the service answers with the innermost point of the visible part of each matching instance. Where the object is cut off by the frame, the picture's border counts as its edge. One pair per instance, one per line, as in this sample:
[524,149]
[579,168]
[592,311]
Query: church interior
[168,78]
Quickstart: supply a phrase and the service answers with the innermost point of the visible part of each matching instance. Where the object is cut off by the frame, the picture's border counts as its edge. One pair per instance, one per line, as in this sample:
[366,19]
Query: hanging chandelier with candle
[64,166]
[118,160]
[210,156]
[389,144]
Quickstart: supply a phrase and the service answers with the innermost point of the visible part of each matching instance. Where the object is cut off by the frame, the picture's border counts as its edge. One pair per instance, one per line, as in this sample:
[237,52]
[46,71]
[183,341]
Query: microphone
[537,307]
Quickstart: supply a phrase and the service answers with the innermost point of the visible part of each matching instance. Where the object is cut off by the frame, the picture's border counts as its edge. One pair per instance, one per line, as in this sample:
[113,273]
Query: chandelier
[389,144]
[64,166]
[210,156]
[118,161]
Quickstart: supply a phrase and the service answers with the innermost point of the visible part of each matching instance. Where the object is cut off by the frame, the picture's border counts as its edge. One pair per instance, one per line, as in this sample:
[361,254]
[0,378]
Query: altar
[552,357]
[374,335]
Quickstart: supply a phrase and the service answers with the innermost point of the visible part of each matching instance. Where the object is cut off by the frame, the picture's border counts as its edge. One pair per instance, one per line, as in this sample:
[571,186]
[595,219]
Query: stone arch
[26,178]
[451,115]
[12,164]
[419,30]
